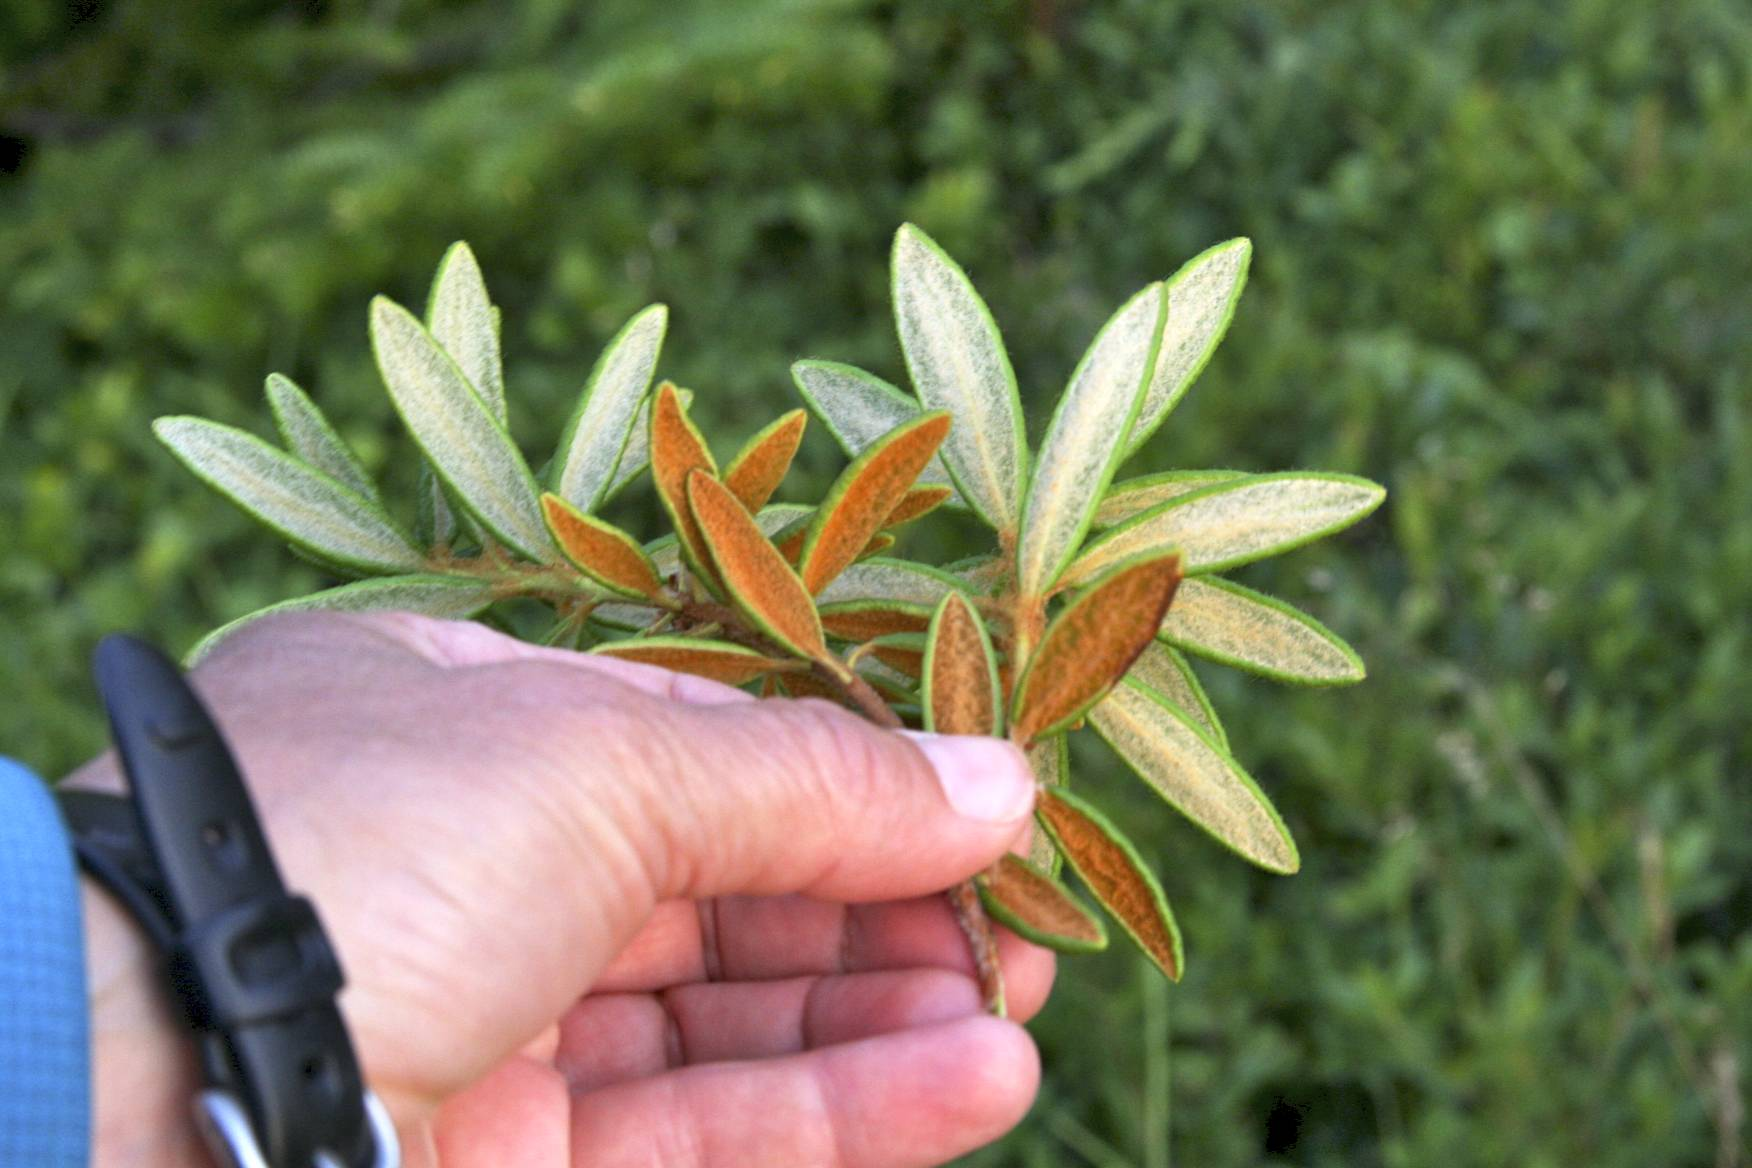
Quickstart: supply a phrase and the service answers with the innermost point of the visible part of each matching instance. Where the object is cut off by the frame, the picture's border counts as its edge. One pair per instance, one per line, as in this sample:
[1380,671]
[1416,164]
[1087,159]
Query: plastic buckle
[233,1142]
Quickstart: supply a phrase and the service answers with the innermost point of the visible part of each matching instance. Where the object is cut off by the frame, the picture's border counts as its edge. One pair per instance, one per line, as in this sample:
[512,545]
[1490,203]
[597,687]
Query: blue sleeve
[45,1056]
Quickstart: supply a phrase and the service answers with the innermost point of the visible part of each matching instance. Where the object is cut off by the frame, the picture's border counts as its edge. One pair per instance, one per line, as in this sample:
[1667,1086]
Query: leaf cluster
[1080,612]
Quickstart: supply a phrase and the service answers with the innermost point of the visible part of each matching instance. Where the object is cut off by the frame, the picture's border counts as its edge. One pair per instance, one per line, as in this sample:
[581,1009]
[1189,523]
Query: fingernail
[983,778]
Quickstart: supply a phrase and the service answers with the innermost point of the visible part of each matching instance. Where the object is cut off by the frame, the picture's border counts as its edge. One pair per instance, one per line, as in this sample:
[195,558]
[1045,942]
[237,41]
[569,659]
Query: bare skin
[595,913]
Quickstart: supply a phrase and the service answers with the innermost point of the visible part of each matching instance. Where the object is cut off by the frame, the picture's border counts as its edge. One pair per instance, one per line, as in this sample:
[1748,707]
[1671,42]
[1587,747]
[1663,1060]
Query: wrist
[144,1073]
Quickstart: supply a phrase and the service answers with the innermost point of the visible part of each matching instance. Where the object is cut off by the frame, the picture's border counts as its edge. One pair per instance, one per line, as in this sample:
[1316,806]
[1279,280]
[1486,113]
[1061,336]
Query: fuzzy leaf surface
[917,503]
[1236,522]
[1091,644]
[902,652]
[1237,626]
[1050,760]
[461,319]
[466,443]
[595,439]
[863,620]
[1135,496]
[756,471]
[864,495]
[957,362]
[960,672]
[1168,673]
[1110,865]
[444,597]
[308,434]
[1083,443]
[759,581]
[1201,302]
[600,550]
[879,543]
[858,408]
[723,661]
[1038,908]
[303,505]
[1169,752]
[886,579]
[677,451]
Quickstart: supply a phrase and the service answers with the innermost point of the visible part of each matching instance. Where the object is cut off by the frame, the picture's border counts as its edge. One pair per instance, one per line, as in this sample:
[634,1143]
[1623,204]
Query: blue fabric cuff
[45,1044]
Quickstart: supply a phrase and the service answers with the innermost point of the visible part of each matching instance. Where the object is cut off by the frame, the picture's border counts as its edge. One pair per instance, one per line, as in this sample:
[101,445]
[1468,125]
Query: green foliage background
[1504,265]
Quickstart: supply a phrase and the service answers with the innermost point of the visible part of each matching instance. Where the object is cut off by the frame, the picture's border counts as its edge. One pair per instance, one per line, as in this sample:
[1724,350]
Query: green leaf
[467,445]
[1198,778]
[1170,675]
[960,672]
[637,456]
[307,434]
[1050,760]
[443,597]
[306,507]
[1135,496]
[434,521]
[599,432]
[1038,908]
[1201,302]
[1082,445]
[957,362]
[1236,522]
[882,578]
[462,321]
[858,408]
[1109,864]
[1249,630]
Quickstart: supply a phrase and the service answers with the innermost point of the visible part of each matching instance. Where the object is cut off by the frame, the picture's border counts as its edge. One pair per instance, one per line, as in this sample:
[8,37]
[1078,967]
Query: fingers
[914,1098]
[613,1038]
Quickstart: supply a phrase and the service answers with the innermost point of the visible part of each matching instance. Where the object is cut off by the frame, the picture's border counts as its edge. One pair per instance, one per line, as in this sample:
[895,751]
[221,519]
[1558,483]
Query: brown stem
[862,694]
[970,914]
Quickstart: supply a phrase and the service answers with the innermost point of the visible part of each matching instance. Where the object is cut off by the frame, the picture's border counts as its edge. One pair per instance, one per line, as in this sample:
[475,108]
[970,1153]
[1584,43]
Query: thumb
[803,796]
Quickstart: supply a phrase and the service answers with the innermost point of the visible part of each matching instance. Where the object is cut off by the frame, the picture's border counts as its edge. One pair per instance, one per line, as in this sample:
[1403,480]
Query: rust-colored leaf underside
[755,473]
[962,685]
[755,576]
[1115,873]
[719,660]
[1041,905]
[677,450]
[864,496]
[879,543]
[1090,645]
[902,651]
[864,621]
[917,502]
[600,550]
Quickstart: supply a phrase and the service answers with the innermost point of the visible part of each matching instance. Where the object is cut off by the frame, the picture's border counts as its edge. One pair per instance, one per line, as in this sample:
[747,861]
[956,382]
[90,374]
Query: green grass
[1503,264]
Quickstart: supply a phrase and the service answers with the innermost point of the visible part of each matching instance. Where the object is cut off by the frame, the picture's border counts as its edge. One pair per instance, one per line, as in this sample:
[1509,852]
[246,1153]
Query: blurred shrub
[1503,261]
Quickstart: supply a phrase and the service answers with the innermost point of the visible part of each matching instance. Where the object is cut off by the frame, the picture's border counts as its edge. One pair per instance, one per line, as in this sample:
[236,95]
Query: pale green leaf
[1169,752]
[1050,760]
[1082,445]
[1135,496]
[1201,302]
[308,434]
[882,578]
[305,506]
[957,362]
[1249,630]
[858,408]
[466,444]
[462,321]
[600,429]
[1170,675]
[1236,522]
[444,597]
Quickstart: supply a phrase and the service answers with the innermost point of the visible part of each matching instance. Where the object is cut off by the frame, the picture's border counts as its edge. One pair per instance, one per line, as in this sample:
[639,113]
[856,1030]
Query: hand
[596,913]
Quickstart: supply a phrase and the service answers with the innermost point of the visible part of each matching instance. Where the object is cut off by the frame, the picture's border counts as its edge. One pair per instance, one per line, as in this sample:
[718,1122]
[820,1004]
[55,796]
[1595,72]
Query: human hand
[592,912]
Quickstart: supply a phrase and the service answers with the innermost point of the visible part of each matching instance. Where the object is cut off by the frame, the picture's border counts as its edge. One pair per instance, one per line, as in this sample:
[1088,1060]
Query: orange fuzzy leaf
[1111,867]
[917,502]
[902,651]
[864,620]
[807,685]
[1039,908]
[719,660]
[791,546]
[600,550]
[864,495]
[1090,645]
[755,473]
[879,543]
[755,576]
[677,450]
[960,672]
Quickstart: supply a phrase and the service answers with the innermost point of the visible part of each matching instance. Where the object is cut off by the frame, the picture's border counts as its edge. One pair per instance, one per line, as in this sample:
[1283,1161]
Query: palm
[766,1031]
